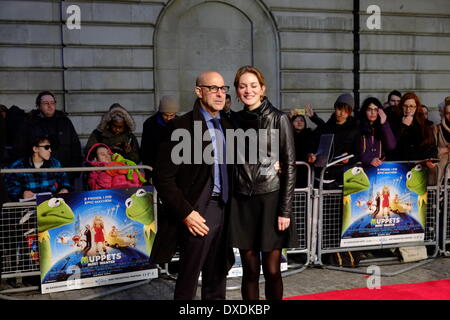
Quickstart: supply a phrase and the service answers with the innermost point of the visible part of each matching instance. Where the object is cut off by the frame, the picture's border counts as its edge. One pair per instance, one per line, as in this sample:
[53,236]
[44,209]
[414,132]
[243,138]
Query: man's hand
[63,190]
[277,167]
[196,224]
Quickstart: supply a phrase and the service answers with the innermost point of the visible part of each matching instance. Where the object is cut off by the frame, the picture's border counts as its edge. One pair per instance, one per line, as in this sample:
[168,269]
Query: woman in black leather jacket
[261,212]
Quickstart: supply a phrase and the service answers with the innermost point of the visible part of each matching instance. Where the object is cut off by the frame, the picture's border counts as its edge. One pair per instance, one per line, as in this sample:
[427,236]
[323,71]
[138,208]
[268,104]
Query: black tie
[222,164]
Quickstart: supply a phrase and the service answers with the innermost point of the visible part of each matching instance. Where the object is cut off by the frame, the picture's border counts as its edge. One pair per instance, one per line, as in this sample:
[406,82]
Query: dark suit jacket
[183,187]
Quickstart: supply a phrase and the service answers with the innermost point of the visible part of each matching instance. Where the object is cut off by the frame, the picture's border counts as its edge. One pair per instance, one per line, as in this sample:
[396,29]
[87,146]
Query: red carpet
[430,290]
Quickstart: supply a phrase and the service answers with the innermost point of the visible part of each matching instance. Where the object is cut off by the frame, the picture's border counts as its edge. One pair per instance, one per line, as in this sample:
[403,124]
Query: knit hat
[447,101]
[168,104]
[346,98]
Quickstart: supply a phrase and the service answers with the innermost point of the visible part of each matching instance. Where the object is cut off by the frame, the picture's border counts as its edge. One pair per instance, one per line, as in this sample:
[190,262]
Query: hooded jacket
[102,134]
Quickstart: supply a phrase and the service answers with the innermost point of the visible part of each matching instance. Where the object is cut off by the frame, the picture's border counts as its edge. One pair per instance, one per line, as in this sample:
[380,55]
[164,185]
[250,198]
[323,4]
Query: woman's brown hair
[249,69]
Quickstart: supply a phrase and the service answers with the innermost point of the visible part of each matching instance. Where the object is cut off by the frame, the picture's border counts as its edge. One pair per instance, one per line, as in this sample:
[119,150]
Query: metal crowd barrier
[329,216]
[318,220]
[18,236]
[18,232]
[302,208]
[445,235]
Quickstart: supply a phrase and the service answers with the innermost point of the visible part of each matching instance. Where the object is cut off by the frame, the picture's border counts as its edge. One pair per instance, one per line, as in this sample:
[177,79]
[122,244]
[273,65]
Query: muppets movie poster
[384,205]
[94,238]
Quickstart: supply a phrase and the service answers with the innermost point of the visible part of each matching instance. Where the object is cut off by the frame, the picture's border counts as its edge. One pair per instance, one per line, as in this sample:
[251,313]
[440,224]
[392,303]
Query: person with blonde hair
[99,235]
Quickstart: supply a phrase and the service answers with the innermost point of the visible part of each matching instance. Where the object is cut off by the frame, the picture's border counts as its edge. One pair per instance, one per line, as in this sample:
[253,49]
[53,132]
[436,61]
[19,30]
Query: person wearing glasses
[415,140]
[262,221]
[46,121]
[376,134]
[26,185]
[195,194]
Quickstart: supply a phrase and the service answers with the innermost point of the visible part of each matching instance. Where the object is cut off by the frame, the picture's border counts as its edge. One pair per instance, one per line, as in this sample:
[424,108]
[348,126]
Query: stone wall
[135,51]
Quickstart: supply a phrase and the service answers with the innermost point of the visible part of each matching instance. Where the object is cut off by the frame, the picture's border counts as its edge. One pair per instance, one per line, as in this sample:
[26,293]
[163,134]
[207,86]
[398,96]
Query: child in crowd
[100,155]
[26,185]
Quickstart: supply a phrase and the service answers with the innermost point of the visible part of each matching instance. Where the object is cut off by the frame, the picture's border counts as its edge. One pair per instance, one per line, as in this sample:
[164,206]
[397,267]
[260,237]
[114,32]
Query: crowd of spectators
[397,130]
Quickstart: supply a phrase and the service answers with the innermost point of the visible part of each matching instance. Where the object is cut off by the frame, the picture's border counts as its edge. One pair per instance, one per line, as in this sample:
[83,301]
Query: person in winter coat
[262,221]
[101,156]
[345,142]
[116,131]
[415,140]
[155,129]
[48,122]
[376,134]
[26,185]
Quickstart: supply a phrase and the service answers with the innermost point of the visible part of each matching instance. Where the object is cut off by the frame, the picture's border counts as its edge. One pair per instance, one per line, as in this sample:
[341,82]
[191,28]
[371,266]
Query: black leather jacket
[260,177]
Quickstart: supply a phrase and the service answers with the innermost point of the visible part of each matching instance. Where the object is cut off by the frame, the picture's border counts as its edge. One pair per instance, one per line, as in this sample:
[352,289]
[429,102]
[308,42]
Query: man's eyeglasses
[46,103]
[46,147]
[214,89]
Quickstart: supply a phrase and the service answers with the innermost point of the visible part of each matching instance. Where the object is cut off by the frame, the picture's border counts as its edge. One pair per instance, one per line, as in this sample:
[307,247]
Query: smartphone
[300,111]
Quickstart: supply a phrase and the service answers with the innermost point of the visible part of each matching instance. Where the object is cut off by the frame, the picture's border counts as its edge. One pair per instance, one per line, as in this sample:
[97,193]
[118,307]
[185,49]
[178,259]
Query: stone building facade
[134,51]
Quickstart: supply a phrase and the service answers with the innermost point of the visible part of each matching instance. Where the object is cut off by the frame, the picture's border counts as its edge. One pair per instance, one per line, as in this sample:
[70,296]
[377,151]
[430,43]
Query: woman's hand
[382,115]
[376,162]
[309,110]
[283,223]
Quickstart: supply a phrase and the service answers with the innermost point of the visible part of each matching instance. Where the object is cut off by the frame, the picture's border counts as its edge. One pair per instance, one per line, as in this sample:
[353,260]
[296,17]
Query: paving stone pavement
[310,280]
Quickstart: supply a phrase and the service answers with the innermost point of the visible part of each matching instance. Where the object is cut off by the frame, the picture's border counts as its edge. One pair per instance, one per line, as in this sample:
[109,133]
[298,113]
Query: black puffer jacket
[66,145]
[258,178]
